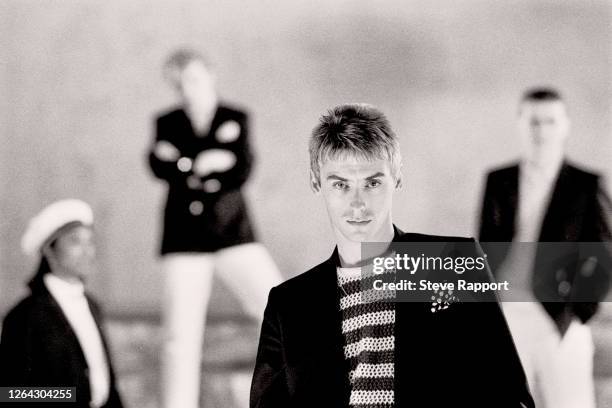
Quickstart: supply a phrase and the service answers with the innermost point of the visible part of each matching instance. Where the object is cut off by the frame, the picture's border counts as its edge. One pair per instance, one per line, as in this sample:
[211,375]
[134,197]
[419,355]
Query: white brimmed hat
[53,217]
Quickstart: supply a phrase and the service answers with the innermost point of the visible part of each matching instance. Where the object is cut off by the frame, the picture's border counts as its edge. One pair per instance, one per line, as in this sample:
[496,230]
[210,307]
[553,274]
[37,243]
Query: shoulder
[171,115]
[226,112]
[24,306]
[30,309]
[580,174]
[503,172]
[302,283]
[416,237]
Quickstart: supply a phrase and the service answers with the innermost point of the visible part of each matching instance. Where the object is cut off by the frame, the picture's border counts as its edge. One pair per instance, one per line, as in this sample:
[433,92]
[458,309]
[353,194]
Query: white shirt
[536,184]
[71,298]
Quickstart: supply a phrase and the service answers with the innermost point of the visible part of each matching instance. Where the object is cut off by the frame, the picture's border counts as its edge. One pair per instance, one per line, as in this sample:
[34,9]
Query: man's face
[196,85]
[543,127]
[358,195]
[74,252]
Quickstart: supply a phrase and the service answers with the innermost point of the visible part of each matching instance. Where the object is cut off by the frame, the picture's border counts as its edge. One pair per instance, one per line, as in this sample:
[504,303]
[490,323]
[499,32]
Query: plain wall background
[81,81]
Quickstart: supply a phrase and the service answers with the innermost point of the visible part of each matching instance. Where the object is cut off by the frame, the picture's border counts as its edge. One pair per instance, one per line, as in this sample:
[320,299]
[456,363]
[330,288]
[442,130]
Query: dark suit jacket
[39,348]
[221,220]
[462,357]
[575,214]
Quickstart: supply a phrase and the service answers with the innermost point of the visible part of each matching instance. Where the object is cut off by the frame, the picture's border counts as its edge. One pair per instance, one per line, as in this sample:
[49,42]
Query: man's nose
[537,131]
[90,249]
[357,201]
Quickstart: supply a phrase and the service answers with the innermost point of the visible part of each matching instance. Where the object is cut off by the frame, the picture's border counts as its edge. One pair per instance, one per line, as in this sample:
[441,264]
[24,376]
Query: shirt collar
[63,288]
[531,172]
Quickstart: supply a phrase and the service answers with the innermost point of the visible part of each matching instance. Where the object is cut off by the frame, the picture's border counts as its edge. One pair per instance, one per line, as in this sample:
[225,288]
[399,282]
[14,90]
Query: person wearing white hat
[53,337]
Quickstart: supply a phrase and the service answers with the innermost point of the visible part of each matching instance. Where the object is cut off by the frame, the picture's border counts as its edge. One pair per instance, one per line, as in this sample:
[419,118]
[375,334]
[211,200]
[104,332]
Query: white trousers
[247,270]
[559,369]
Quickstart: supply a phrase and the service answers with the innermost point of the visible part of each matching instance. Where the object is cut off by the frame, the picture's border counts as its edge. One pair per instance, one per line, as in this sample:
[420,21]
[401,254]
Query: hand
[165,151]
[213,160]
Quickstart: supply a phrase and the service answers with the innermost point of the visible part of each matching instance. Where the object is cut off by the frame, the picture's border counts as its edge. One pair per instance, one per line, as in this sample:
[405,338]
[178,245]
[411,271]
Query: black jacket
[575,214]
[196,220]
[462,357]
[39,348]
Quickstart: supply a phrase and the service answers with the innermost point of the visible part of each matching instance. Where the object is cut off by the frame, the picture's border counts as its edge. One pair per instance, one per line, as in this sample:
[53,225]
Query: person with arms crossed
[201,150]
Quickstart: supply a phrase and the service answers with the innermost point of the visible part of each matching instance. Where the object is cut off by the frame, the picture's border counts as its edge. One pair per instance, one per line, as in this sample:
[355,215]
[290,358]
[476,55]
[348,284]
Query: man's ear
[398,176]
[398,182]
[568,129]
[172,75]
[315,183]
[49,253]
[46,250]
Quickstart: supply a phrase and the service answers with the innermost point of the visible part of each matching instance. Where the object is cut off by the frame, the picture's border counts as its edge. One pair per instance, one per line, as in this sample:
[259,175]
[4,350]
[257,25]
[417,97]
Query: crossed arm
[227,167]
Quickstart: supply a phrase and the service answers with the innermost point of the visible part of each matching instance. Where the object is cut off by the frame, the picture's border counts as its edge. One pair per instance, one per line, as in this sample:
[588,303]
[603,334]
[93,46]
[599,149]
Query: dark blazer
[576,213]
[196,220]
[39,348]
[461,357]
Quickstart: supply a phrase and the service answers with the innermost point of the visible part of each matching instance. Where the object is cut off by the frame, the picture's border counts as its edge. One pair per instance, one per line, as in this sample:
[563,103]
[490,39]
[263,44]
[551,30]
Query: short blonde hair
[178,60]
[355,129]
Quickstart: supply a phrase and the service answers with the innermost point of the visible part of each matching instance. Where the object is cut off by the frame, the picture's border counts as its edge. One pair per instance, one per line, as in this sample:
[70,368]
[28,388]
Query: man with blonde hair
[323,344]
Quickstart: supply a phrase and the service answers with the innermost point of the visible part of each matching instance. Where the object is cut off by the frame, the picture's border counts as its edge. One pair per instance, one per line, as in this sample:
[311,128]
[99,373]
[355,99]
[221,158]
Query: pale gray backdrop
[81,81]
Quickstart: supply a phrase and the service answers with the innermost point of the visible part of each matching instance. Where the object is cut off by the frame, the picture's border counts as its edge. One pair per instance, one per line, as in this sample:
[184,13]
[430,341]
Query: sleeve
[269,385]
[236,176]
[603,213]
[166,170]
[487,212]
[487,274]
[593,275]
[15,350]
[490,219]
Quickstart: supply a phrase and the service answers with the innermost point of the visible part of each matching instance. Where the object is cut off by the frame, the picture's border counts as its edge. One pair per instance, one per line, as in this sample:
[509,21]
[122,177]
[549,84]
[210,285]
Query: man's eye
[340,185]
[373,183]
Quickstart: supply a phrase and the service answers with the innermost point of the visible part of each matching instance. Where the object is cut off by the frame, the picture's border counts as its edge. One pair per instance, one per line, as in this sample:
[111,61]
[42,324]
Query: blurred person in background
[201,150]
[544,198]
[54,336]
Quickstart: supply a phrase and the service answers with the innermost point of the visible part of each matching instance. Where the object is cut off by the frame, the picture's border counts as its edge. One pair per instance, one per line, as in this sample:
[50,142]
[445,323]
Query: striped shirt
[368,328]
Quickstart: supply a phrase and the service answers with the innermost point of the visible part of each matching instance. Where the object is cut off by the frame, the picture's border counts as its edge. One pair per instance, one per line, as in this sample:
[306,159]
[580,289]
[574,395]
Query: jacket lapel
[334,365]
[58,318]
[58,326]
[558,201]
[510,187]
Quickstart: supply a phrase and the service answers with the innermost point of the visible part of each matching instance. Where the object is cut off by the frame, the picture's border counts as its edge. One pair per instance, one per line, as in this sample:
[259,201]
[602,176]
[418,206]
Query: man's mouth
[358,222]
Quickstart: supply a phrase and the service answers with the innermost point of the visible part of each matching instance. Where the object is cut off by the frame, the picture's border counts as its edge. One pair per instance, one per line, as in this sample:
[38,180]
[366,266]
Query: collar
[533,173]
[334,259]
[62,288]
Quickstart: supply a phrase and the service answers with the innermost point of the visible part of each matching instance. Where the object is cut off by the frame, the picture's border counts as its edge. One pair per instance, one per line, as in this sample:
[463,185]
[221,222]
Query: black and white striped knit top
[368,328]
